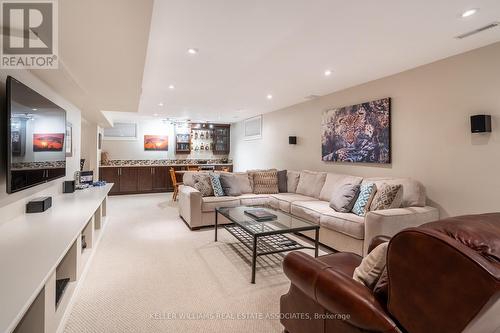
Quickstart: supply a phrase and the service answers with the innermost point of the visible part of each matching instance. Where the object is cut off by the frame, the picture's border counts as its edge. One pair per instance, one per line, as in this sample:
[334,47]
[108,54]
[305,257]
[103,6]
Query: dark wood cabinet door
[111,175]
[161,178]
[222,138]
[145,179]
[128,179]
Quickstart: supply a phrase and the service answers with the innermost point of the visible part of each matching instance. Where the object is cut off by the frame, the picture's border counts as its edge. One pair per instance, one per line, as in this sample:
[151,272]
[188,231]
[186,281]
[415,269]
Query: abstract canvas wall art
[155,142]
[358,133]
[48,142]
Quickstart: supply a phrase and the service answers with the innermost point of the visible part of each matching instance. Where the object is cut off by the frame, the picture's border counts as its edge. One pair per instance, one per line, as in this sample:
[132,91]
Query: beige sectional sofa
[308,197]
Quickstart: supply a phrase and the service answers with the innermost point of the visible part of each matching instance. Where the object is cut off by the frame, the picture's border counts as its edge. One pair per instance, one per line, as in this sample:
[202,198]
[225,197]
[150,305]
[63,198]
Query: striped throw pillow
[265,182]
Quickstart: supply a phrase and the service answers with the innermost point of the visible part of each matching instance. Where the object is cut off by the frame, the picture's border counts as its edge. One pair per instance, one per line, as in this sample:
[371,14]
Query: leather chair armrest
[376,241]
[337,292]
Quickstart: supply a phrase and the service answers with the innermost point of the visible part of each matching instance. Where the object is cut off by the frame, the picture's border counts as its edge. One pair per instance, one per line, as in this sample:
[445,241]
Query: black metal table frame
[255,239]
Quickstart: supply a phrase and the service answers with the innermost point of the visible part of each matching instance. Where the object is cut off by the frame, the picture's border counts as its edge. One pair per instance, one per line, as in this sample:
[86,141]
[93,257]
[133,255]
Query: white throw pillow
[372,266]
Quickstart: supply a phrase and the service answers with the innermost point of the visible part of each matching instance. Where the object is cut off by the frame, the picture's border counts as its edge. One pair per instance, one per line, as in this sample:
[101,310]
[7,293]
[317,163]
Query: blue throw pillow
[366,193]
[216,185]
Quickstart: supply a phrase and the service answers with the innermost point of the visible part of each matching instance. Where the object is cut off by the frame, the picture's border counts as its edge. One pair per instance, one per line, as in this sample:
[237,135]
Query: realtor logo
[29,35]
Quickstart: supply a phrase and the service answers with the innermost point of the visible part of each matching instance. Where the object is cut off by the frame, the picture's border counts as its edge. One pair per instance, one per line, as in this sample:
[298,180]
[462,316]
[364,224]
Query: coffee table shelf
[266,244]
[266,237]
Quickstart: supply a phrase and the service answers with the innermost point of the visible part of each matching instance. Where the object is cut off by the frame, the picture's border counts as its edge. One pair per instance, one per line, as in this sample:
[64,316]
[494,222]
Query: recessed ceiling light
[269,96]
[35,109]
[171,87]
[469,12]
[155,114]
[160,104]
[328,72]
[192,50]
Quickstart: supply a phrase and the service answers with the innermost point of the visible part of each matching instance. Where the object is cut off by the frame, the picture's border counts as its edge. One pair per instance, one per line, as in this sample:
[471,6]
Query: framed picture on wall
[155,142]
[253,128]
[358,133]
[48,142]
[69,139]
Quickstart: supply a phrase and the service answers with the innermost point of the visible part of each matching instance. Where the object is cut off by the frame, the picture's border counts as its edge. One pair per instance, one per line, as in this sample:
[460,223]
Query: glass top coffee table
[265,237]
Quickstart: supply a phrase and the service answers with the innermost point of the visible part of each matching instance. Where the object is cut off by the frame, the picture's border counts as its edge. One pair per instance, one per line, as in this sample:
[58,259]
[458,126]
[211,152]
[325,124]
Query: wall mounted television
[36,130]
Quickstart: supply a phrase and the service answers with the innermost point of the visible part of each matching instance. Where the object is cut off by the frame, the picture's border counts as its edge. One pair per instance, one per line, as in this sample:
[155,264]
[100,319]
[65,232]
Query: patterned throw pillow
[265,182]
[203,184]
[216,185]
[387,197]
[366,193]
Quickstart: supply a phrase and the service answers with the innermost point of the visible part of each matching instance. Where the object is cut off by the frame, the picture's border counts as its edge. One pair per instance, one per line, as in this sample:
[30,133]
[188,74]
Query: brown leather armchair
[443,277]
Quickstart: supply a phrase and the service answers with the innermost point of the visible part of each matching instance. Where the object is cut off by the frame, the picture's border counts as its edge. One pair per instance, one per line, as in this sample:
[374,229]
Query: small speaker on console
[69,186]
[39,205]
[292,140]
[480,123]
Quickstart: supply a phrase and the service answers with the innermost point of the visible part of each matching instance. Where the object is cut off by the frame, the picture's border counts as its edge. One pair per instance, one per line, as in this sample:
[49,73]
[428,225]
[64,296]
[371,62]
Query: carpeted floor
[150,273]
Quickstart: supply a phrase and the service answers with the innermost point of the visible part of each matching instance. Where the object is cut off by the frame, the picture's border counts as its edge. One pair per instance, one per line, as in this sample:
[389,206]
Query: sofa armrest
[389,222]
[190,201]
[337,292]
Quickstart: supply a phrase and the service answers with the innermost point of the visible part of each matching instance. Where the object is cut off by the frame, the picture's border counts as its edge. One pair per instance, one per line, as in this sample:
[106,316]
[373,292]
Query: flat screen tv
[36,130]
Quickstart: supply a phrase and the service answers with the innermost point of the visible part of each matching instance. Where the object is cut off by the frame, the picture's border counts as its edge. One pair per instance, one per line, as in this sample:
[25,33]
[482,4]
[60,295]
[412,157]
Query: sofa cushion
[250,199]
[203,184]
[372,266]
[216,185]
[292,180]
[387,197]
[210,203]
[230,184]
[365,197]
[344,197]
[282,182]
[243,180]
[283,200]
[252,172]
[265,182]
[346,223]
[335,181]
[413,191]
[310,210]
[187,177]
[311,183]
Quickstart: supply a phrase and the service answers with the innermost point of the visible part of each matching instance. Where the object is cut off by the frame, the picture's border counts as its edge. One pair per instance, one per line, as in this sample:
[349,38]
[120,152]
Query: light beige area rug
[150,273]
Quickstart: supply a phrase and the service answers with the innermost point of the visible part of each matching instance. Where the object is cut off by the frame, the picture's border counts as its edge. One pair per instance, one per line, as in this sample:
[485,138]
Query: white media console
[38,249]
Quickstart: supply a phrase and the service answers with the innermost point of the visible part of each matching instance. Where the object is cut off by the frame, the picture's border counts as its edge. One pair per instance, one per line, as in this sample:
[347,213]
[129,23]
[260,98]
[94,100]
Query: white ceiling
[102,51]
[248,49]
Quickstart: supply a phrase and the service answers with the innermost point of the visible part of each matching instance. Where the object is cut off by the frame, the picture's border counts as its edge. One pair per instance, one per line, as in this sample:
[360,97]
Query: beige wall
[431,138]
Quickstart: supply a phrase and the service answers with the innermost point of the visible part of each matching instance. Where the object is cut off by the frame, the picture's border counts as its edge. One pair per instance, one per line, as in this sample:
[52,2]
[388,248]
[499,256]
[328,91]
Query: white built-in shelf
[36,249]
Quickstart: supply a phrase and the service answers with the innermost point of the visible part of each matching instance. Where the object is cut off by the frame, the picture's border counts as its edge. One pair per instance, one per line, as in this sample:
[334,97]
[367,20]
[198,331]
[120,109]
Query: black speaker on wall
[292,140]
[480,123]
